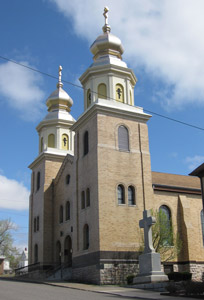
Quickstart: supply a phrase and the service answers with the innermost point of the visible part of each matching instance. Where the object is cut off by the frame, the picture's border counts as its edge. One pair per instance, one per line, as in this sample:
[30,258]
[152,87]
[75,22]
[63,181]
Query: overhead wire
[78,86]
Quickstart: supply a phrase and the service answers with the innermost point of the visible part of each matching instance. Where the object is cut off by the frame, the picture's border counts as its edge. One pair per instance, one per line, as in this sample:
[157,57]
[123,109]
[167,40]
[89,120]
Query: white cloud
[163,37]
[194,162]
[21,89]
[14,195]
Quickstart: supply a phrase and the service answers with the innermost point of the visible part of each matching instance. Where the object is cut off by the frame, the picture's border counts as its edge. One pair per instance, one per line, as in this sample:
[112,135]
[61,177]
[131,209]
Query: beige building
[92,179]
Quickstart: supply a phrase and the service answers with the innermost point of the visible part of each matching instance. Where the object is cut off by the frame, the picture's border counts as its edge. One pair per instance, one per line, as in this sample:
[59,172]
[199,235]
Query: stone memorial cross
[147,223]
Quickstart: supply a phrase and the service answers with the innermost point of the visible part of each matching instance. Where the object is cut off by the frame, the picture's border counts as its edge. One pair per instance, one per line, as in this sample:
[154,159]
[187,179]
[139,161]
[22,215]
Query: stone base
[150,278]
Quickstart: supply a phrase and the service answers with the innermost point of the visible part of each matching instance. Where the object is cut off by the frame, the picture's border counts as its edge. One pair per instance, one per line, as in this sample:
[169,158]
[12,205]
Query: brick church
[92,180]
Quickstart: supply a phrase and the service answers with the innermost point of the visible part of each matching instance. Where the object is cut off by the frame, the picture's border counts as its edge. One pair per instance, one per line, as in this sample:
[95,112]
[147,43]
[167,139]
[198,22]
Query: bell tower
[56,140]
[108,77]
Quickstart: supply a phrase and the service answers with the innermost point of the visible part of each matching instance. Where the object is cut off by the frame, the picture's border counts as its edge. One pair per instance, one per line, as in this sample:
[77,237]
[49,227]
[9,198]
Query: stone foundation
[197,269]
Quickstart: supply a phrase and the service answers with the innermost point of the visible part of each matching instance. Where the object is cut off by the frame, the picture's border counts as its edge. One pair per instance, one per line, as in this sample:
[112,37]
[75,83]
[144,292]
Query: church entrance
[58,253]
[68,251]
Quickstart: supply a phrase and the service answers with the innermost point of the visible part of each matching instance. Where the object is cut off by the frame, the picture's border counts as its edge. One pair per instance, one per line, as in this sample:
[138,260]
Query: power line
[78,86]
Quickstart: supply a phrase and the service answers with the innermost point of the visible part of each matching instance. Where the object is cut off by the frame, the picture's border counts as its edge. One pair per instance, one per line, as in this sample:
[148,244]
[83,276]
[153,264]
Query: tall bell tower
[56,140]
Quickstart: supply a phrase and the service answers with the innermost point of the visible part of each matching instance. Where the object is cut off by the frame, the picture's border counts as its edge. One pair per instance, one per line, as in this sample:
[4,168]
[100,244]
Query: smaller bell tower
[56,140]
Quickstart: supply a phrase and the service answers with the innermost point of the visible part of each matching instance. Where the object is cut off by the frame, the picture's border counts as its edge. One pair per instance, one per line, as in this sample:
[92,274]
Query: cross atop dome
[106,27]
[60,84]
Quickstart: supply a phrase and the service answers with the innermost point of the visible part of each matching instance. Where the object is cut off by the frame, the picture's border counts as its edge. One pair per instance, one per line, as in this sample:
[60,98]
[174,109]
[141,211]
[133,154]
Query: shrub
[130,279]
[179,276]
[194,288]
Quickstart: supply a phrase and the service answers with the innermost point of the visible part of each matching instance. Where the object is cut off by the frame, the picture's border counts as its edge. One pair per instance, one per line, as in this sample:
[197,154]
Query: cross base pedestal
[150,269]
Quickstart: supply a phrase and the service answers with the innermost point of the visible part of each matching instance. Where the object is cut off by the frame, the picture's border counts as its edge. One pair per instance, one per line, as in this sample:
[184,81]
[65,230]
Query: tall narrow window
[102,91]
[86,142]
[51,140]
[119,91]
[131,195]
[35,225]
[123,138]
[61,214]
[166,233]
[65,142]
[38,181]
[36,253]
[88,103]
[87,197]
[202,224]
[86,237]
[38,224]
[82,200]
[67,211]
[121,194]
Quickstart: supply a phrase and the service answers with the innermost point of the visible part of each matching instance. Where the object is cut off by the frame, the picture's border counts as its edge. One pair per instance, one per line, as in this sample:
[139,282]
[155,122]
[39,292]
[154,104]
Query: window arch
[86,142]
[119,91]
[123,138]
[65,142]
[88,100]
[51,140]
[38,181]
[68,210]
[131,195]
[82,200]
[41,144]
[61,214]
[121,194]
[202,224]
[36,253]
[86,236]
[165,223]
[102,91]
[87,197]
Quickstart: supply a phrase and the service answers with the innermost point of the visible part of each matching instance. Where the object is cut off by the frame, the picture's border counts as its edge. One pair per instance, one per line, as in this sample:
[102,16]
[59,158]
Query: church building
[92,180]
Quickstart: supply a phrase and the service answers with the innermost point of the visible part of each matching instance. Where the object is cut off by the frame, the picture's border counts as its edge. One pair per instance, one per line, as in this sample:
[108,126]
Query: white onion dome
[59,99]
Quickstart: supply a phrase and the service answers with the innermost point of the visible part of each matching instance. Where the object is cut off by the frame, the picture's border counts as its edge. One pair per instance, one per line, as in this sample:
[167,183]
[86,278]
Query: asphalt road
[11,290]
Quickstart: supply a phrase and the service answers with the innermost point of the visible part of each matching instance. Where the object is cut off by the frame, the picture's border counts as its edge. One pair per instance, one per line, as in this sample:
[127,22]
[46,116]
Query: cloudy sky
[164,45]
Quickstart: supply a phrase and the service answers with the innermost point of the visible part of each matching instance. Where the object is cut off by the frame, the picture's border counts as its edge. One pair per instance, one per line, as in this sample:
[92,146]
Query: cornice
[47,156]
[112,108]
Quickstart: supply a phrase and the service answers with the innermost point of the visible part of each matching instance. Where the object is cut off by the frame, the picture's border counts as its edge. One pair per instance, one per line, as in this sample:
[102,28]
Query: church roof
[176,183]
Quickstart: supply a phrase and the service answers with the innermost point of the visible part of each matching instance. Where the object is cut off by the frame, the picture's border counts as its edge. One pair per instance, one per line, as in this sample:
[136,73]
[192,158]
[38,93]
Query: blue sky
[164,45]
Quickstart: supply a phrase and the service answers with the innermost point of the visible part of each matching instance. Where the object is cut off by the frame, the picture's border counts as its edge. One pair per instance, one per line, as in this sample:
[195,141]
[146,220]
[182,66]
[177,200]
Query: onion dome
[107,45]
[59,99]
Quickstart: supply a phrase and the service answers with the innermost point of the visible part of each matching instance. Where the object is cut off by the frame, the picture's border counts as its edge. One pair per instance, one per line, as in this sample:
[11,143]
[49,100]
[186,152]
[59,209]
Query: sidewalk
[130,292]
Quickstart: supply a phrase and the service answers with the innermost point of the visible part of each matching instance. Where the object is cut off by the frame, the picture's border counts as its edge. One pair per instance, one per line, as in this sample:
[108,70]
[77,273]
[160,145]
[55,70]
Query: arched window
[88,98]
[41,144]
[131,195]
[102,91]
[82,200]
[65,142]
[67,211]
[86,142]
[38,181]
[51,140]
[86,237]
[36,253]
[121,194]
[68,179]
[38,224]
[87,197]
[119,90]
[166,233]
[34,224]
[202,224]
[123,138]
[61,214]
